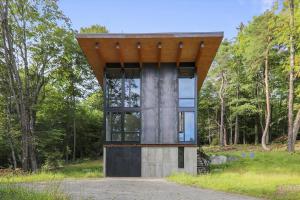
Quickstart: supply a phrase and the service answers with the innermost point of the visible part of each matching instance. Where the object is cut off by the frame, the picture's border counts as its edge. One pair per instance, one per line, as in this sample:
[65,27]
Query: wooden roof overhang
[198,48]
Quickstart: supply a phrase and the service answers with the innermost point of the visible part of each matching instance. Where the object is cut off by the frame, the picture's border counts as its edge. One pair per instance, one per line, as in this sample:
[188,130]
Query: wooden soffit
[198,48]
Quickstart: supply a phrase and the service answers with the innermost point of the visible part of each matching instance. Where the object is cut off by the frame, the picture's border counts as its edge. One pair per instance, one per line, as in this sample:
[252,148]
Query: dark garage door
[123,161]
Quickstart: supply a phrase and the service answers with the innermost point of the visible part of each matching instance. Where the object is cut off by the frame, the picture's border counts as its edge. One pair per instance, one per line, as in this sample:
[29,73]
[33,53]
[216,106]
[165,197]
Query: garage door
[123,161]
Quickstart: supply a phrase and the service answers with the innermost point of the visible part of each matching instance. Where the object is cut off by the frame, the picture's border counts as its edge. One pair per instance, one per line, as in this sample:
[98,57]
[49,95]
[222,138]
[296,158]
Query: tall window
[123,105]
[187,108]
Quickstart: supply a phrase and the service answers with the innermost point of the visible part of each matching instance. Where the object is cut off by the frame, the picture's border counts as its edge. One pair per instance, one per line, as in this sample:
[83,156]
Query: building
[151,82]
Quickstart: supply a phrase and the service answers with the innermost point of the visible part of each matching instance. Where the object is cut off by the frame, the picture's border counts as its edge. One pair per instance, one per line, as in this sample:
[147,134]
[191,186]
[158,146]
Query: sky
[150,16]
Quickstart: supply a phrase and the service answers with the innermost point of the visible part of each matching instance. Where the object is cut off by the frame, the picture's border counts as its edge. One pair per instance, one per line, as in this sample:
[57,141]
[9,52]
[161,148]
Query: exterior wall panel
[159,104]
[163,161]
[168,116]
[149,104]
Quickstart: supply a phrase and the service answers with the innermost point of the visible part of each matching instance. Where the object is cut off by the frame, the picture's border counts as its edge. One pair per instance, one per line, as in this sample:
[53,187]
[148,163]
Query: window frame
[122,109]
[188,109]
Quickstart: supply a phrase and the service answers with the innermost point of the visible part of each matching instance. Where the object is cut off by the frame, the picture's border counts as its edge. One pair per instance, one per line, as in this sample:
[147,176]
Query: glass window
[186,126]
[186,87]
[132,136]
[186,102]
[123,126]
[189,127]
[122,104]
[132,87]
[132,121]
[180,157]
[114,126]
[116,123]
[114,87]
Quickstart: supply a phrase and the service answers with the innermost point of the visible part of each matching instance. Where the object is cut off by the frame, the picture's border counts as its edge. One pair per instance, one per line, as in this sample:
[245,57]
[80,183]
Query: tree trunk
[268,107]
[209,132]
[20,91]
[225,136]
[236,130]
[74,138]
[10,139]
[31,146]
[231,134]
[296,127]
[244,137]
[221,96]
[256,132]
[291,147]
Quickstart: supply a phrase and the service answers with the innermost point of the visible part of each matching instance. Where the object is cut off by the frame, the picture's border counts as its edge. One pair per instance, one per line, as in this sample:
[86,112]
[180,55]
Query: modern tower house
[150,82]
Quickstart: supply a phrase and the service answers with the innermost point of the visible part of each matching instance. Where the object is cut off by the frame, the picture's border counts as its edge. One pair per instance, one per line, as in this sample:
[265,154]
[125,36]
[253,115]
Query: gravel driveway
[133,188]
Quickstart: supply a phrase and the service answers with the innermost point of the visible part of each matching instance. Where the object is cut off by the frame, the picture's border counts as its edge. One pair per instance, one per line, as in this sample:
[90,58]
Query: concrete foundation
[163,161]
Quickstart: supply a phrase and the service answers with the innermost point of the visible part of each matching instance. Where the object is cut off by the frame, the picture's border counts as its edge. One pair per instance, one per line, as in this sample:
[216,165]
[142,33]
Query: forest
[51,107]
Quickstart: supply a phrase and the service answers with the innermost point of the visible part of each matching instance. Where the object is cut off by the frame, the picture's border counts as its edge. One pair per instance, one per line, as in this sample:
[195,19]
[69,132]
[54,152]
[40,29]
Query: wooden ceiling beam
[120,54]
[198,57]
[179,52]
[100,69]
[159,47]
[99,53]
[201,71]
[139,48]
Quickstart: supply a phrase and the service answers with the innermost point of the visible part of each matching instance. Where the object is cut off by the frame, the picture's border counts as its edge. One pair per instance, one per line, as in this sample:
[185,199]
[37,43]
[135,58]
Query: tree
[260,42]
[31,37]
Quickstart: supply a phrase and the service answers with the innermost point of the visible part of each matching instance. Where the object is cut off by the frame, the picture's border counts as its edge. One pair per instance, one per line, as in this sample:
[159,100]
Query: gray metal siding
[149,104]
[159,104]
[168,104]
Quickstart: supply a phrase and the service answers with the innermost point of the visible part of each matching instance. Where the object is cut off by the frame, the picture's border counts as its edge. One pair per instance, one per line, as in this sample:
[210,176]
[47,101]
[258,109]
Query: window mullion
[123,105]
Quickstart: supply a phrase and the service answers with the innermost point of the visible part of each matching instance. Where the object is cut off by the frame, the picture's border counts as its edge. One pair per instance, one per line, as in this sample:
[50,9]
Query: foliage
[242,61]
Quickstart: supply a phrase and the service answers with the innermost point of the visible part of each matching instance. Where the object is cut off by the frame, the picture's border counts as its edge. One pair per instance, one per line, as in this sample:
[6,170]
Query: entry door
[123,161]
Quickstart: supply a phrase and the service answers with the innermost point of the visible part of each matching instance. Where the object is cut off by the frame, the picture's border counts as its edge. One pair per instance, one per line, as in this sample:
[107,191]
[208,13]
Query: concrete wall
[163,161]
[159,104]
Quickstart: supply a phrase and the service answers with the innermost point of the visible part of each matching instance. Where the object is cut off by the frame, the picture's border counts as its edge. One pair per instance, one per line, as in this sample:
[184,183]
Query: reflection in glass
[114,87]
[132,92]
[132,121]
[123,91]
[132,87]
[186,102]
[186,87]
[123,126]
[132,136]
[116,136]
[116,122]
[188,132]
[189,126]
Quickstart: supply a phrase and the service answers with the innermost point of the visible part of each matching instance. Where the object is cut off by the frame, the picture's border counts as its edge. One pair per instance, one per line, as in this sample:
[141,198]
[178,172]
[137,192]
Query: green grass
[12,192]
[86,169]
[272,175]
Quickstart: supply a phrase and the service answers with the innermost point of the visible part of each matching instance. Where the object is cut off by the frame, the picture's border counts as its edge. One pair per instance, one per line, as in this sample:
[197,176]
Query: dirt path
[133,188]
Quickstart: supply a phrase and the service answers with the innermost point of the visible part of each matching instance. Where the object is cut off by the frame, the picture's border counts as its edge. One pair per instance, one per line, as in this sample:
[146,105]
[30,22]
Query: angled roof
[199,48]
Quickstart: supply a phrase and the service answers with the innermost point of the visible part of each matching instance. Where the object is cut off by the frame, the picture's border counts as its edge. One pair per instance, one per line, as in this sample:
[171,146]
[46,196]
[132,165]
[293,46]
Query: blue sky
[141,16]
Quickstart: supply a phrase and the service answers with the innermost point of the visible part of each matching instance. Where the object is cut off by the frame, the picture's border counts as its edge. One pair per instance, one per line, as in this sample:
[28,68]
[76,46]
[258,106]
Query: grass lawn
[271,175]
[83,169]
[10,192]
[8,180]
